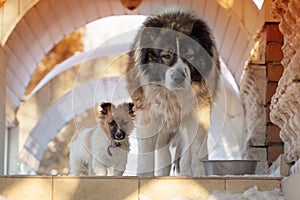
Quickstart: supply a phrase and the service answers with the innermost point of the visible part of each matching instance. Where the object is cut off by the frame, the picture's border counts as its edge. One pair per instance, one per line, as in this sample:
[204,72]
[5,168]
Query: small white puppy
[93,150]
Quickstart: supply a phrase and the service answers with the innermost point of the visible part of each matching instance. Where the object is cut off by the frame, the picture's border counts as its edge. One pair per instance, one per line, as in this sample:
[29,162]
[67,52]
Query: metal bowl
[229,167]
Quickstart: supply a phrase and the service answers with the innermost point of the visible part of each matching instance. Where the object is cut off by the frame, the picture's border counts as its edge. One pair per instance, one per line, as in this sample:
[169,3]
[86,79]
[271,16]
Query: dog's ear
[104,108]
[130,109]
[202,34]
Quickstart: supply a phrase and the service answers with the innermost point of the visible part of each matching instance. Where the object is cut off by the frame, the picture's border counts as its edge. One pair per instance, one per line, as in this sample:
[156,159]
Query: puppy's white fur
[89,154]
[94,150]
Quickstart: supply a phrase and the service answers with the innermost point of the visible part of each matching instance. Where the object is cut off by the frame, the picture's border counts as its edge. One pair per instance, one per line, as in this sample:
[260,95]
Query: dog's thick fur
[94,150]
[172,76]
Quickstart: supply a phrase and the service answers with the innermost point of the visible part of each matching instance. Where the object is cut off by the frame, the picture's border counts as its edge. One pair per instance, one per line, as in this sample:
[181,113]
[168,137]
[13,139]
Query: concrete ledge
[290,186]
[89,188]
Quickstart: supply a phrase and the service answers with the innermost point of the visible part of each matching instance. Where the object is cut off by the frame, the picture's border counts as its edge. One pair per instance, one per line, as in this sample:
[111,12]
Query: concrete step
[133,188]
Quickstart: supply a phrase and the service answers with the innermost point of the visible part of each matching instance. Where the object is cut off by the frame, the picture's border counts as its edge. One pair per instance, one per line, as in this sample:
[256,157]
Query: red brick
[273,33]
[268,114]
[274,52]
[271,89]
[273,133]
[274,152]
[274,72]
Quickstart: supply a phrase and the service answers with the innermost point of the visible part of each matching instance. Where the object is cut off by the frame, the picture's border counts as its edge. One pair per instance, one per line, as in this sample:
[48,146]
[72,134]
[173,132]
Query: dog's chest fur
[171,107]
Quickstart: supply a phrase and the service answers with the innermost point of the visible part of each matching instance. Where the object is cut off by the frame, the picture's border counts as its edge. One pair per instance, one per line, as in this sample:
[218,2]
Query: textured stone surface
[261,155]
[285,103]
[253,90]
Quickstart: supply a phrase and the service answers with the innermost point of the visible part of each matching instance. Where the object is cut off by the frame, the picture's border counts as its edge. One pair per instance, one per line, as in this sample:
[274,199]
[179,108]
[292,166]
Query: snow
[250,194]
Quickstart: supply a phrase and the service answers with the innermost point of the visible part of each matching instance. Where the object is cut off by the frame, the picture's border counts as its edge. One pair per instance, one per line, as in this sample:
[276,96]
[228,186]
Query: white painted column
[13,151]
[2,108]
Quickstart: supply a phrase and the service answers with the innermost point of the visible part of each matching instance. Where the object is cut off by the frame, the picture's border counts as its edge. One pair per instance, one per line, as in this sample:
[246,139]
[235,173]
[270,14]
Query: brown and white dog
[95,149]
[172,76]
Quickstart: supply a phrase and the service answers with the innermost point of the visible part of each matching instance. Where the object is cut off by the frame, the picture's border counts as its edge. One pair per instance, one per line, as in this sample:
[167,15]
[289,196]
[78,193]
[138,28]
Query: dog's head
[175,49]
[116,121]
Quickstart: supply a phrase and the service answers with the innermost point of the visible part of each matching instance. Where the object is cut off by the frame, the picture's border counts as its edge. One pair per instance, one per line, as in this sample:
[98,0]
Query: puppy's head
[175,49]
[116,121]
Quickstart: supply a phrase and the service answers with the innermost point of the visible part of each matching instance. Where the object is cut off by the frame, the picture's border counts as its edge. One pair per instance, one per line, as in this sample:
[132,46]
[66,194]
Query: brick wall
[274,70]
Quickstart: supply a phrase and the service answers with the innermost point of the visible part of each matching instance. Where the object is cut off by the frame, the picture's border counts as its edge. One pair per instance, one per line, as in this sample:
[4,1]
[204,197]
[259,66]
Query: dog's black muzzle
[178,76]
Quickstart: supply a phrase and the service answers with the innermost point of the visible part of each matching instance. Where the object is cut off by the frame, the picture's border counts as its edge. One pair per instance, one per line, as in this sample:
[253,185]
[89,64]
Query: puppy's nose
[178,75]
[120,135]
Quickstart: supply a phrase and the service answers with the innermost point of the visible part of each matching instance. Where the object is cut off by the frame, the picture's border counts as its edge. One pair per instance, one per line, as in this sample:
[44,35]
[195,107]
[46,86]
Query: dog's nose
[178,76]
[120,135]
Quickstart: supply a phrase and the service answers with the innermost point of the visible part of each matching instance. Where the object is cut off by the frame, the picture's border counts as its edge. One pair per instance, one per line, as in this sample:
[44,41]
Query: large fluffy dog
[93,150]
[172,76]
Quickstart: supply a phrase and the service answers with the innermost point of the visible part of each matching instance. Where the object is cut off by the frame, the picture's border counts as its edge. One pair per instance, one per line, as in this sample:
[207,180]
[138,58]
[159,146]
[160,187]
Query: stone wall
[259,82]
[253,89]
[285,104]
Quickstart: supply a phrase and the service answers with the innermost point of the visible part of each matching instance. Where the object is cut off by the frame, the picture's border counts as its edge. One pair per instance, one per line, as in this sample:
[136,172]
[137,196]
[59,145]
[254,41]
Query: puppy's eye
[112,123]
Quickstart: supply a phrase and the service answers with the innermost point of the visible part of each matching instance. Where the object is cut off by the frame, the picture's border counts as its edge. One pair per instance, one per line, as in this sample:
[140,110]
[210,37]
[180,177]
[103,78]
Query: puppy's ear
[104,108]
[130,109]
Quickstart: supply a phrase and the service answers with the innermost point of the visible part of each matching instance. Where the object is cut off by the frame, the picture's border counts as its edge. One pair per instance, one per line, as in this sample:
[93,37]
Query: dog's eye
[189,56]
[166,55]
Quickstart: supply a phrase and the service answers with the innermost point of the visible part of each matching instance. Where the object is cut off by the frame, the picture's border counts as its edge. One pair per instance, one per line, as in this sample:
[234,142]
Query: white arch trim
[109,50]
[51,20]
